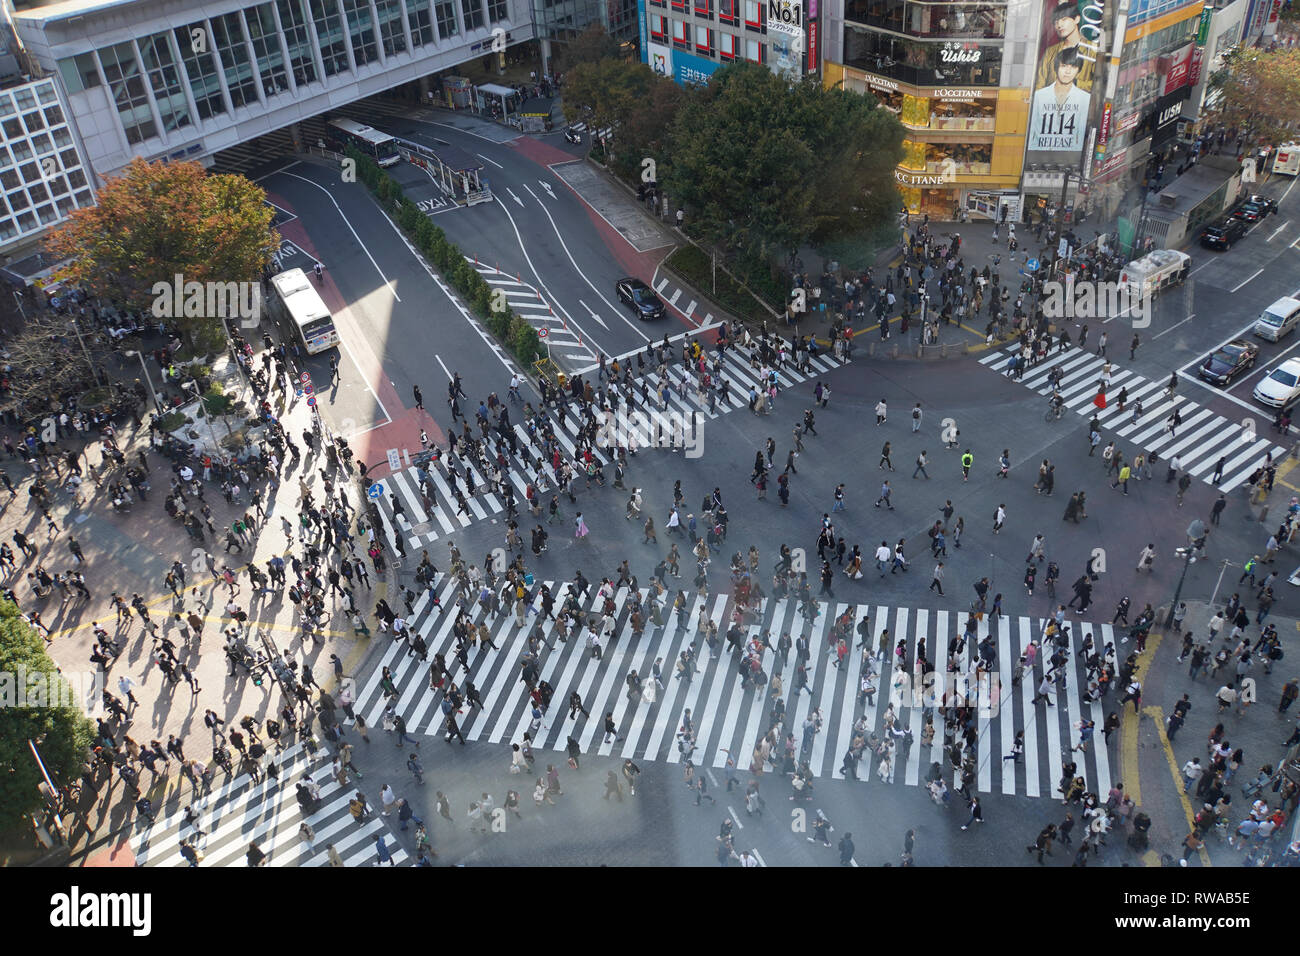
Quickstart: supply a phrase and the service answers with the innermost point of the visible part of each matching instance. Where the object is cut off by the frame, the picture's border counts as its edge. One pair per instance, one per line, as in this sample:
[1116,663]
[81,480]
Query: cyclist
[1056,403]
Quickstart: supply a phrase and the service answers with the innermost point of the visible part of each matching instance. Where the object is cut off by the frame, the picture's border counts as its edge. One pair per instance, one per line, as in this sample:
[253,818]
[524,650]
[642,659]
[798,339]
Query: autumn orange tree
[1260,93]
[159,220]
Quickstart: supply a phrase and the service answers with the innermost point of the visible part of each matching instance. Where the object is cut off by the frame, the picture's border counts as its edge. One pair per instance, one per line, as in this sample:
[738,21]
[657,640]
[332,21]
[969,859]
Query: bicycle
[1054,411]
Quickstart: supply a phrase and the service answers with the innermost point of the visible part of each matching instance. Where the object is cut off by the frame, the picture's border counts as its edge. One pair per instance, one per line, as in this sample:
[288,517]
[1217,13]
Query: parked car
[1229,361]
[1253,209]
[1222,235]
[1269,205]
[640,298]
[1281,387]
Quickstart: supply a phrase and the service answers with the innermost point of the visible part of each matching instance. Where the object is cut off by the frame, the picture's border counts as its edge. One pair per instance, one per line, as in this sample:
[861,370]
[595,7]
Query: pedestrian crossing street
[595,133]
[727,718]
[241,811]
[420,527]
[1201,439]
[561,341]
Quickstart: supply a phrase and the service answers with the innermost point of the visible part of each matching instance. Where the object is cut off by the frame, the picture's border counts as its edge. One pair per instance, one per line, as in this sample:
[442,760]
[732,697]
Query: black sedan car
[1229,362]
[1254,209]
[1222,235]
[640,298]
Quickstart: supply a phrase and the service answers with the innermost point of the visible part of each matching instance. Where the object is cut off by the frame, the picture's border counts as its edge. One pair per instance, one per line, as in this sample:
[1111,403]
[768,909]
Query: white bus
[297,306]
[378,146]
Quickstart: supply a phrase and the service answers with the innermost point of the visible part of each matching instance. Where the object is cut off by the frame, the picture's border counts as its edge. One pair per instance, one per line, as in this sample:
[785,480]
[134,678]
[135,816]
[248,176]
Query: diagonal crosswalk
[241,811]
[422,523]
[729,718]
[1200,441]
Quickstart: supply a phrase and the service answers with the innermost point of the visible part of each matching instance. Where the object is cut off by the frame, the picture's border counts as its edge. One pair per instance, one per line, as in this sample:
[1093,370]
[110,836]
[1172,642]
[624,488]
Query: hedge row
[510,329]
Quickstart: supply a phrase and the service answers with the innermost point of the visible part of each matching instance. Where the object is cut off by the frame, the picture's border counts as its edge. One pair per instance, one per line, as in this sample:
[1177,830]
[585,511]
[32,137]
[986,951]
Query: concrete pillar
[295,135]
[544,46]
[425,86]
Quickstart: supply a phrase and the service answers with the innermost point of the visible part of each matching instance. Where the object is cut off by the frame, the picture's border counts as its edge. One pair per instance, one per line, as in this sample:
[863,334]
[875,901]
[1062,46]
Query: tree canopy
[765,165]
[61,732]
[1260,92]
[590,46]
[158,220]
[630,98]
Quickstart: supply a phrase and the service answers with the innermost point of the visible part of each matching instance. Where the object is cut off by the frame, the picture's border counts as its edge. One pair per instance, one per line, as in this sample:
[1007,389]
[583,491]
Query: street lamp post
[147,381]
[1188,555]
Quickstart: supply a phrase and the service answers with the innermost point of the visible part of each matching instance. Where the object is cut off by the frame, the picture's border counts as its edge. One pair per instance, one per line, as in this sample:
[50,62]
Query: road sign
[311,402]
[298,392]
[376,490]
[1031,265]
[305,377]
[543,333]
[394,459]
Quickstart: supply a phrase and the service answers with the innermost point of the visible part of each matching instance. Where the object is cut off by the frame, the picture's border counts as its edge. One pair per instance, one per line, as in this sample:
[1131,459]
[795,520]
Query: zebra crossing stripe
[1203,437]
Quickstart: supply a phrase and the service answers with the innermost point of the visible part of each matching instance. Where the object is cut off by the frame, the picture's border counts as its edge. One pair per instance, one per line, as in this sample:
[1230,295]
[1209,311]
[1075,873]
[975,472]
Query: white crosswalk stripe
[729,718]
[1200,441]
[532,306]
[239,811]
[421,525]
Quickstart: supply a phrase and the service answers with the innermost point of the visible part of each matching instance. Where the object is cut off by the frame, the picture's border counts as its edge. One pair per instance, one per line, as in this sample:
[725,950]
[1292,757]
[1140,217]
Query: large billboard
[660,59]
[1067,81]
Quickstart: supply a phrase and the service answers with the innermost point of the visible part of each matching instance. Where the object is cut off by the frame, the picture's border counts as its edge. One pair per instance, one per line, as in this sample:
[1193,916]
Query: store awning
[496,89]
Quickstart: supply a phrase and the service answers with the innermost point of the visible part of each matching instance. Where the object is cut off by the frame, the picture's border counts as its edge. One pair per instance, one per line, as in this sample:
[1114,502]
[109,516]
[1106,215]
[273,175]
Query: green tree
[1260,93]
[590,46]
[61,732]
[159,220]
[605,92]
[764,166]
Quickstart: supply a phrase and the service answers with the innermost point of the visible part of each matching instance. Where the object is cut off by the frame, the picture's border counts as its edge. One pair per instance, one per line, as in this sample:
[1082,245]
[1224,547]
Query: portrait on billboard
[1063,29]
[1058,114]
[1065,82]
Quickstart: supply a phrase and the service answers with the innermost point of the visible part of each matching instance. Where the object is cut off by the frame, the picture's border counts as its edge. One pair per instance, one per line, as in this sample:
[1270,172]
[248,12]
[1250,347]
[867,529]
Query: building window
[727,11]
[123,74]
[79,72]
[266,47]
[704,9]
[446,13]
[473,13]
[329,30]
[361,30]
[726,46]
[679,34]
[165,80]
[498,10]
[658,26]
[755,51]
[950,21]
[391,33]
[293,20]
[753,15]
[658,3]
[201,69]
[232,49]
[417,13]
[704,41]
[679,5]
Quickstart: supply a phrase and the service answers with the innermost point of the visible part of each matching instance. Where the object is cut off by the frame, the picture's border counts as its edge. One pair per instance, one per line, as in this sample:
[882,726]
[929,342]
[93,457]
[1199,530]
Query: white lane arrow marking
[593,314]
[513,196]
[547,187]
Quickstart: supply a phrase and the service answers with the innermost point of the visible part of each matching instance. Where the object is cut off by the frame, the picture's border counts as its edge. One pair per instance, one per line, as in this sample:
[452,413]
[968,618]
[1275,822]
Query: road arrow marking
[547,186]
[593,314]
[513,196]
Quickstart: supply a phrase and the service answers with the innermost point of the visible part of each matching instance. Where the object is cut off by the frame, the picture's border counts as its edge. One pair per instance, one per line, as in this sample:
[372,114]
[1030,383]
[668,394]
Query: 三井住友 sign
[785,16]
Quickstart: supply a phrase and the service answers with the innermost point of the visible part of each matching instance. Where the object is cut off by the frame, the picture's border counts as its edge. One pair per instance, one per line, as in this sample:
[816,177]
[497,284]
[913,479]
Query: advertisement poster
[660,59]
[1070,50]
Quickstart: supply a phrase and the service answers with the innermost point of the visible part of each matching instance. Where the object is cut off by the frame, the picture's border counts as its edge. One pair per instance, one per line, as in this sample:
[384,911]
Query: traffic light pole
[1189,557]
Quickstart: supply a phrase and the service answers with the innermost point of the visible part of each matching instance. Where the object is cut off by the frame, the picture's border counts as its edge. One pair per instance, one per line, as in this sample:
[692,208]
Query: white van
[1286,159]
[1155,271]
[1278,319]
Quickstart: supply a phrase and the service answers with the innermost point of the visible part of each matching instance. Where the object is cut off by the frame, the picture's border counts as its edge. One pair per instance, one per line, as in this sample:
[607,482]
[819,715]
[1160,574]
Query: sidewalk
[130,553]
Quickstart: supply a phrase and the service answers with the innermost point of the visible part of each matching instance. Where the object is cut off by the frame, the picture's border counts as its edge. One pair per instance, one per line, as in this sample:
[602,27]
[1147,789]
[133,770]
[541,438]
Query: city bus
[378,146]
[297,306]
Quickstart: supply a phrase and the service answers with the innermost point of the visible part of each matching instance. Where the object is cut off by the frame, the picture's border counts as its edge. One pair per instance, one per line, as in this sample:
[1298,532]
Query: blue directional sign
[1031,265]
[376,490]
